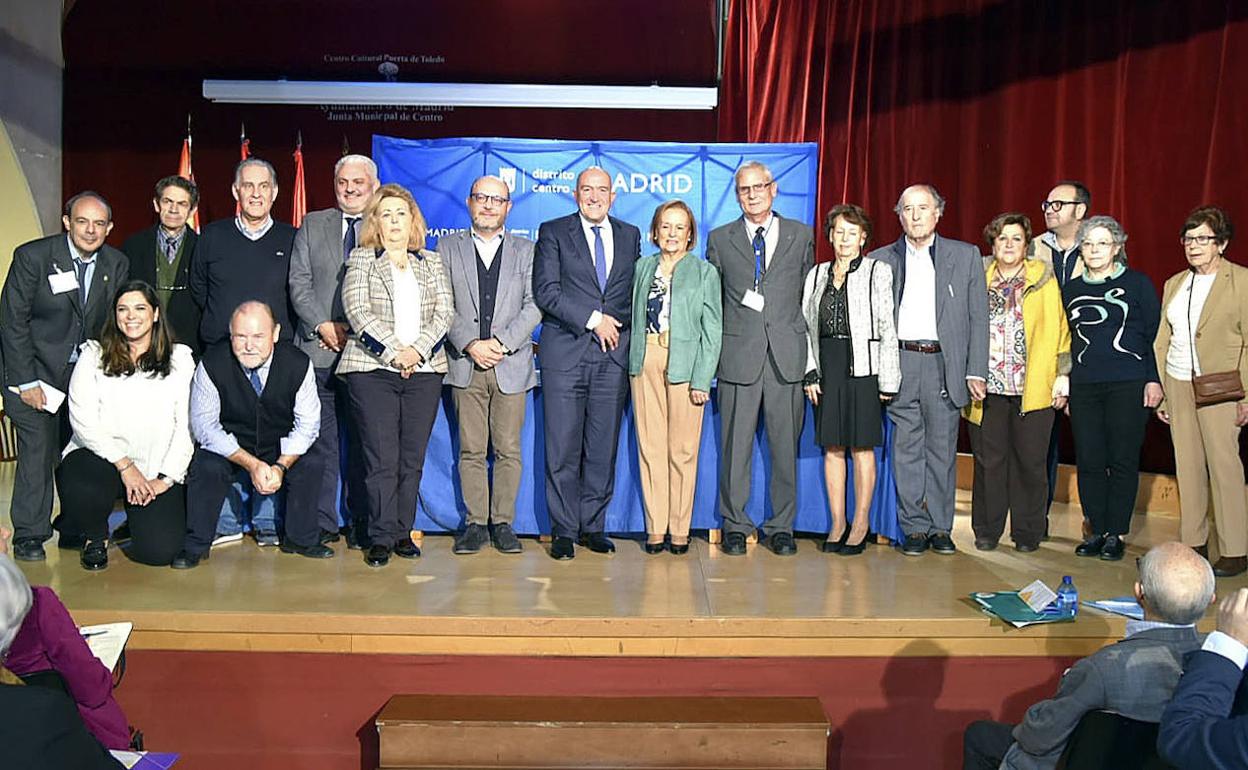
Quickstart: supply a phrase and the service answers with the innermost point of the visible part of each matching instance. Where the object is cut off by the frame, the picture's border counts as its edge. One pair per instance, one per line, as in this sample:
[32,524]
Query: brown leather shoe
[1230,566]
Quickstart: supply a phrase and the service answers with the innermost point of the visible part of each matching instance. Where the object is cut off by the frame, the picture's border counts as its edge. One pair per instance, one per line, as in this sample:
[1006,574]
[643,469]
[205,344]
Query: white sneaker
[223,539]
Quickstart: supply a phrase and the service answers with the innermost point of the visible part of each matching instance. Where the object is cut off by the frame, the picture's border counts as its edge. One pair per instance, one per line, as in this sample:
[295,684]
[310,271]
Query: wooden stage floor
[703,604]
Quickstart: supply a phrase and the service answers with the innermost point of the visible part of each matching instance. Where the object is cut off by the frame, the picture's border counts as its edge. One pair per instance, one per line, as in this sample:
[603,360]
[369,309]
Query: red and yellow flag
[186,172]
[299,201]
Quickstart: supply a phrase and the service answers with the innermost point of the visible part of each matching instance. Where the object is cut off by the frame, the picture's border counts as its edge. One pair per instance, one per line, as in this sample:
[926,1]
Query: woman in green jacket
[676,301]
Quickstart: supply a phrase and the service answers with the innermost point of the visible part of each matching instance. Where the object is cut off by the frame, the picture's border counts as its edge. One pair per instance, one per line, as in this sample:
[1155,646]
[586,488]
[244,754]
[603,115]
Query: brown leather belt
[920,347]
[662,339]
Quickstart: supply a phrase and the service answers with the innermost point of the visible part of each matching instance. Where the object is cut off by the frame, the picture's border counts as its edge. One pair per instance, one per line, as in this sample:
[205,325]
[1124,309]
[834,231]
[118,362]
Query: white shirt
[407,308]
[1226,646]
[259,232]
[346,219]
[771,236]
[1181,358]
[141,416]
[916,316]
[608,245]
[488,249]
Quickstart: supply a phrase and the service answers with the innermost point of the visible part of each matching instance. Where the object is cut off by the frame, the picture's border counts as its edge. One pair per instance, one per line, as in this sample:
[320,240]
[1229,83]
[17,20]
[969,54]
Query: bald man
[254,413]
[1134,678]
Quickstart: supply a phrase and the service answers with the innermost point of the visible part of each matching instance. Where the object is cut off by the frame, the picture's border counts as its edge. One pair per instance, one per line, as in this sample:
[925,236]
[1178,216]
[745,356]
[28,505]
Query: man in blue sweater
[245,257]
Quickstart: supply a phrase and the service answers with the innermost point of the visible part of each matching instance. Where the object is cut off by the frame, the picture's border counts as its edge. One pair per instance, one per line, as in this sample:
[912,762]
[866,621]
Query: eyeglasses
[757,189]
[1097,245]
[483,199]
[1056,206]
[1199,240]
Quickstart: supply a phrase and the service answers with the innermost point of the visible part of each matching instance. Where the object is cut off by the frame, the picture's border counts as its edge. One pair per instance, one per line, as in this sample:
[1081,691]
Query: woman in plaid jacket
[398,301]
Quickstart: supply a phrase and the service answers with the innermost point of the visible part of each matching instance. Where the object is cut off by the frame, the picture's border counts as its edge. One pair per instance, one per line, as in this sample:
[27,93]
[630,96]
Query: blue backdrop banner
[541,175]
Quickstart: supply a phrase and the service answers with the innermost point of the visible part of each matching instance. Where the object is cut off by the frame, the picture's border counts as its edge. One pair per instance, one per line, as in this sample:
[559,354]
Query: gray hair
[364,160]
[1115,231]
[1177,583]
[238,170]
[931,190]
[757,165]
[15,601]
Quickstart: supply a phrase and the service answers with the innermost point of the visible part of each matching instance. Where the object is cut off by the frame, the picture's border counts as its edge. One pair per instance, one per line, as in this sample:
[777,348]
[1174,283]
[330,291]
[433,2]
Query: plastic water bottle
[1068,597]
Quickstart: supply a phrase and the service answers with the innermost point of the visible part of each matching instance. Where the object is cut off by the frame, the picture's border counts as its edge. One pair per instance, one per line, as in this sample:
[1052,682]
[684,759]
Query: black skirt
[849,408]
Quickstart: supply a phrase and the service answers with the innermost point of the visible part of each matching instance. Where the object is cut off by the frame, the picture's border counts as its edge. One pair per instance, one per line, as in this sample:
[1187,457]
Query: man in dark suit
[583,282]
[762,260]
[1134,678]
[322,245]
[941,304]
[1206,723]
[162,256]
[58,294]
[490,361]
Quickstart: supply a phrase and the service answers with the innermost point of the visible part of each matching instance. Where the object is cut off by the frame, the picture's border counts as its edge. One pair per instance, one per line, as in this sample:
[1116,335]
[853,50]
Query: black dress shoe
[1091,546]
[561,548]
[914,545]
[1026,547]
[357,537]
[121,534]
[942,544]
[28,549]
[1202,550]
[94,555]
[471,540]
[833,546]
[406,549]
[853,549]
[318,551]
[187,560]
[678,549]
[985,544]
[329,536]
[598,543]
[377,556]
[734,543]
[505,540]
[1230,566]
[653,548]
[781,544]
[1113,548]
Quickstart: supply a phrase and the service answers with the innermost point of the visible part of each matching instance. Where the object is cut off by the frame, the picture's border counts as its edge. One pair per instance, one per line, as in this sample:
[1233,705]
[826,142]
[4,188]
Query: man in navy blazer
[1206,723]
[941,304]
[582,282]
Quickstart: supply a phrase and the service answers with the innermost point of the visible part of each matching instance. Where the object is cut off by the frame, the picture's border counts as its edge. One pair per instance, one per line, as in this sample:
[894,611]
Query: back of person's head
[15,601]
[1176,584]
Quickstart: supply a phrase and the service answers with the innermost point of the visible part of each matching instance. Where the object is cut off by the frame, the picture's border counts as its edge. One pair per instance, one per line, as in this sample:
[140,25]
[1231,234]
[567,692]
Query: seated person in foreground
[128,408]
[1206,724]
[254,412]
[39,727]
[1134,677]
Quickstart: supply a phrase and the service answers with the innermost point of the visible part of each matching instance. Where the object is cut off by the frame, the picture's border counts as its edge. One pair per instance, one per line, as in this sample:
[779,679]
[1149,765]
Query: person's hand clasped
[1233,616]
[407,360]
[159,486]
[1153,394]
[1241,415]
[978,388]
[333,335]
[265,478]
[138,489]
[813,391]
[699,397]
[608,332]
[486,353]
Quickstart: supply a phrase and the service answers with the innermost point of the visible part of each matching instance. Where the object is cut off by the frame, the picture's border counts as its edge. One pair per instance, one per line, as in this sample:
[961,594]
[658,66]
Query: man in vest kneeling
[254,413]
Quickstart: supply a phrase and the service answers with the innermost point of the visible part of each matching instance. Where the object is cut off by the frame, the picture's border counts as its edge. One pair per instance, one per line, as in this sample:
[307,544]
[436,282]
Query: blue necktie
[348,238]
[600,258]
[760,258]
[254,377]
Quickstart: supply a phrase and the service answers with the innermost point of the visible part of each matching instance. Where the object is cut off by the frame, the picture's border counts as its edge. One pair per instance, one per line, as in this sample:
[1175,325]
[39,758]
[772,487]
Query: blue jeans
[245,510]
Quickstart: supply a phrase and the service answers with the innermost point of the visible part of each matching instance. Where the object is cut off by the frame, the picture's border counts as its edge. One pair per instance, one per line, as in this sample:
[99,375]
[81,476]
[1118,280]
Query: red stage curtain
[992,102]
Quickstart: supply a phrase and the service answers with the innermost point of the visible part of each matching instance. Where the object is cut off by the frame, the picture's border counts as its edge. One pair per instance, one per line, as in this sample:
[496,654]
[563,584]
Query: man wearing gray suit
[317,263]
[490,360]
[762,261]
[941,304]
[1134,678]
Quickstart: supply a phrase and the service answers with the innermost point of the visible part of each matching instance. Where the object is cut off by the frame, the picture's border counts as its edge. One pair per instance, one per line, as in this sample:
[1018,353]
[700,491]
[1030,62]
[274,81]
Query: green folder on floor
[1010,607]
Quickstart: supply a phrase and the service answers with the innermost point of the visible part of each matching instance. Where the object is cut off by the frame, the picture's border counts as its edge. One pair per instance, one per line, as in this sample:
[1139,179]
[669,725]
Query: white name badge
[753,300]
[61,282]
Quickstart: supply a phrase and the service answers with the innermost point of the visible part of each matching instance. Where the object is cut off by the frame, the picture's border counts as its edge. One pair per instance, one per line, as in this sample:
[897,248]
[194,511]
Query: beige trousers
[1206,455]
[669,432]
[489,416]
